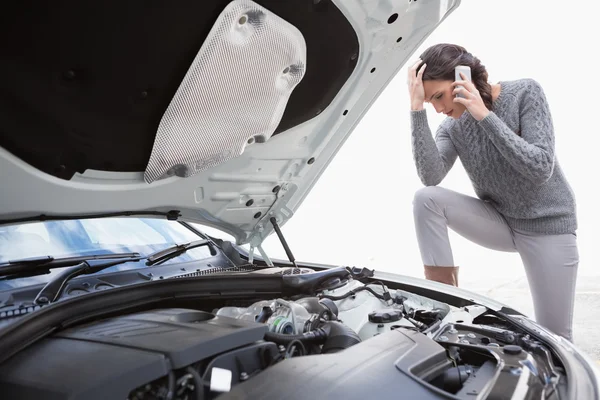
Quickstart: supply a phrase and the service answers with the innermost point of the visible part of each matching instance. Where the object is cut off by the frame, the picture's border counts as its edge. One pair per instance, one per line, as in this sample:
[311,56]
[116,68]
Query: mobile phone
[465,70]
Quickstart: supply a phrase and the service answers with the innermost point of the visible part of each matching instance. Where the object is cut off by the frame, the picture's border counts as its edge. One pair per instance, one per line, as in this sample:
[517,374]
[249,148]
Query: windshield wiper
[83,266]
[177,250]
[42,265]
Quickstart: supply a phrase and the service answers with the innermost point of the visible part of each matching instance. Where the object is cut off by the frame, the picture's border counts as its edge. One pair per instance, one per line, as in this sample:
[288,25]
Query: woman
[503,134]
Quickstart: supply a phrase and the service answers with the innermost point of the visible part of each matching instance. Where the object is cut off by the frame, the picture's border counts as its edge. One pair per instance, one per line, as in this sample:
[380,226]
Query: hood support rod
[287,249]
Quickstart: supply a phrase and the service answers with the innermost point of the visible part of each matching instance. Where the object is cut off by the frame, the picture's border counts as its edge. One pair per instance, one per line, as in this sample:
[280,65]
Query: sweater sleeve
[433,157]
[532,153]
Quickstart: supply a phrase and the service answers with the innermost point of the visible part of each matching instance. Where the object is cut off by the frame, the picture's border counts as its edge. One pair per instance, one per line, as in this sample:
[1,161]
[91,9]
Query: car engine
[351,338]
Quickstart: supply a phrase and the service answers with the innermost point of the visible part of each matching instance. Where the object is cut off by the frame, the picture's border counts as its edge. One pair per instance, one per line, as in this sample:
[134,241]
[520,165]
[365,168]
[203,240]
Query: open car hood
[222,113]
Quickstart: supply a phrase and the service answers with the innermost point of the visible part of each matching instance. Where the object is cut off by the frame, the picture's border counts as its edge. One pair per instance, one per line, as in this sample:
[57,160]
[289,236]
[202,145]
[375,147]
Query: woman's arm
[433,158]
[532,153]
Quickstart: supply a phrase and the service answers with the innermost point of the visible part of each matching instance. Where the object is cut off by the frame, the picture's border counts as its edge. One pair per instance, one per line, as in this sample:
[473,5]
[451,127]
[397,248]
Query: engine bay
[352,337]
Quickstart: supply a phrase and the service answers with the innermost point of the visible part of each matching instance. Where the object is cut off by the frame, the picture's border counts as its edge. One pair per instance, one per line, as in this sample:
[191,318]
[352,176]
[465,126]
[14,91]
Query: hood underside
[219,112]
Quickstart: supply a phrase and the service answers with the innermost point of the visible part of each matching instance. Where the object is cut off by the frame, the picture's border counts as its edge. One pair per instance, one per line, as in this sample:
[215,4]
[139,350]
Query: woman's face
[439,94]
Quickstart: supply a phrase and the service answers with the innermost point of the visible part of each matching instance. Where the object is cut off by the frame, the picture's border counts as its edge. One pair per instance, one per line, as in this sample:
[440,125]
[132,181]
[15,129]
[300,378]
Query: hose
[334,335]
[385,296]
[198,385]
[171,387]
[339,337]
[289,349]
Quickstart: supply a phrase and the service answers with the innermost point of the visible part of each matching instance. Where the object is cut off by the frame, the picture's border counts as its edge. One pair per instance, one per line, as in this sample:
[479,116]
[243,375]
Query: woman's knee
[427,204]
[427,195]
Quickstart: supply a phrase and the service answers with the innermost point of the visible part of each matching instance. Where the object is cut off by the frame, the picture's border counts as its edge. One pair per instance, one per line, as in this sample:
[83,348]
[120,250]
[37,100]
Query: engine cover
[390,365]
[106,359]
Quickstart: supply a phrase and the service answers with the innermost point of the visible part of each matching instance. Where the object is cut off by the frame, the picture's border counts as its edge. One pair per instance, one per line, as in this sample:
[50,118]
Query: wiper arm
[42,265]
[85,265]
[177,250]
[54,288]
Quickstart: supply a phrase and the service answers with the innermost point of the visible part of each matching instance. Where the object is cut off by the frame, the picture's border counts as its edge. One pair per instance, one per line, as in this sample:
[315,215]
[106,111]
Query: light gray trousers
[550,261]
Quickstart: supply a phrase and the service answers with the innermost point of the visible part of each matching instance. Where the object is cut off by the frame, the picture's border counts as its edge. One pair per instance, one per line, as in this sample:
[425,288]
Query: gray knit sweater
[509,157]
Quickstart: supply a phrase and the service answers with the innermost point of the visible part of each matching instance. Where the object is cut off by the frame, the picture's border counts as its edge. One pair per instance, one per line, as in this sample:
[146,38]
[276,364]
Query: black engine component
[107,359]
[324,308]
[485,347]
[339,337]
[385,316]
[313,282]
[428,317]
[389,365]
[454,378]
[334,336]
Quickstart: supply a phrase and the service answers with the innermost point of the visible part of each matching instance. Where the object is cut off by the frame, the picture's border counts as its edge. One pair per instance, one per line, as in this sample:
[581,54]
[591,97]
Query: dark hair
[441,59]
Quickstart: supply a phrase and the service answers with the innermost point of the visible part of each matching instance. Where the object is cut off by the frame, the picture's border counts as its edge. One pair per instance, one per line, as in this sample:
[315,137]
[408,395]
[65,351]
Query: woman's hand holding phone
[469,97]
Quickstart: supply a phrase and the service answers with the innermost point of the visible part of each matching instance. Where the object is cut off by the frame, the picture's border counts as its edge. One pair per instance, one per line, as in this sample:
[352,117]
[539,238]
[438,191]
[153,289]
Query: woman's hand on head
[471,98]
[415,86]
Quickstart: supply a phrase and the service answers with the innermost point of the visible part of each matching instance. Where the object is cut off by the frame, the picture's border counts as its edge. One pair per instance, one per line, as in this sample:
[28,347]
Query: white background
[360,211]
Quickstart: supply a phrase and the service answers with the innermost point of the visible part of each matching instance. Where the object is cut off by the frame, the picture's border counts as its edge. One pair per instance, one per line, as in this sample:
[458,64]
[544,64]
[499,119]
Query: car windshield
[90,237]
